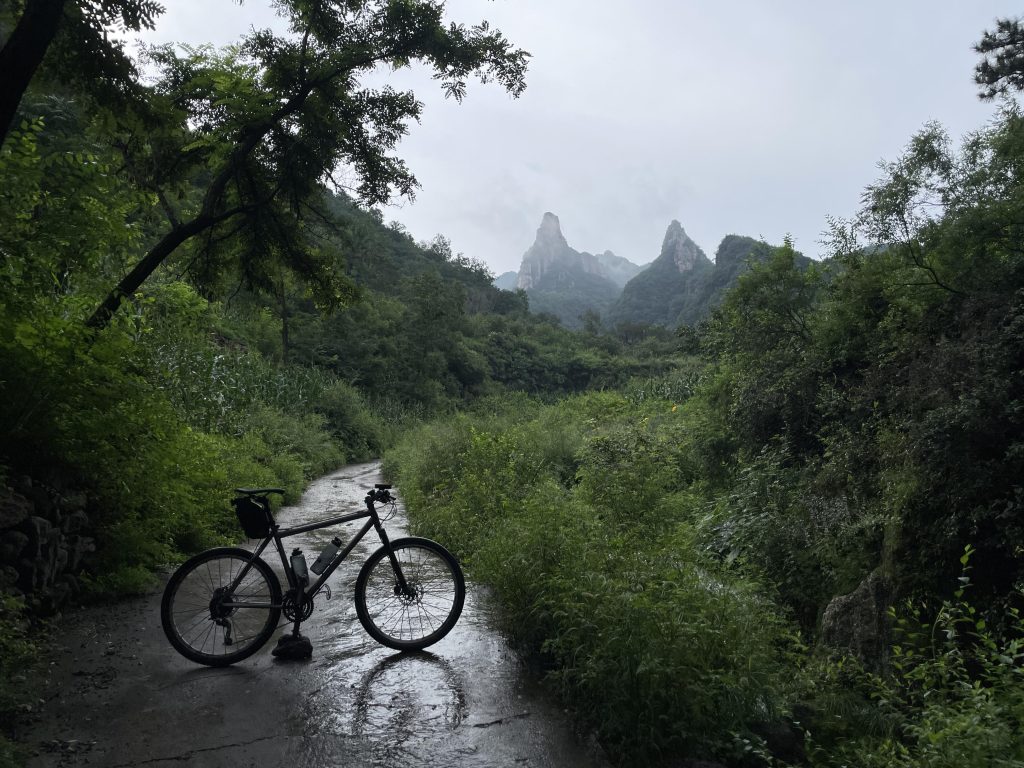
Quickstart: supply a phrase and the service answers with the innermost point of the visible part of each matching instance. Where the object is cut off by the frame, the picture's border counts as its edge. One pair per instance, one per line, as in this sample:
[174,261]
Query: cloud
[735,117]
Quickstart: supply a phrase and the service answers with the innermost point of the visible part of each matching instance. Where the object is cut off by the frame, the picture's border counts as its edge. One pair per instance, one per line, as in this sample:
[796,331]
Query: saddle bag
[253,515]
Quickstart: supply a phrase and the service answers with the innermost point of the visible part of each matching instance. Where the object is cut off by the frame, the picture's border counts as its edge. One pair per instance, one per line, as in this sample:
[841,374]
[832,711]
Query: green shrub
[954,695]
[302,439]
[573,514]
[348,418]
[808,544]
[17,654]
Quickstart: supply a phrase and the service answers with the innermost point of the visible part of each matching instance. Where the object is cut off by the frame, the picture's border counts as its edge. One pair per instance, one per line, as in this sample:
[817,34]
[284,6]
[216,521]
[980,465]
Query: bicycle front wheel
[221,606]
[425,612]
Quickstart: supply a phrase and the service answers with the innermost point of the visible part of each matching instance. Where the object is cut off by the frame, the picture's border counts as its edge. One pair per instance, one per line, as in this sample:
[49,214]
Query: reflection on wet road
[467,701]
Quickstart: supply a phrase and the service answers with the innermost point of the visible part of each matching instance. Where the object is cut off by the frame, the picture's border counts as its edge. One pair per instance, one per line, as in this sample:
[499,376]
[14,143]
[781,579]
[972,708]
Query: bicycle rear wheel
[423,615]
[210,623]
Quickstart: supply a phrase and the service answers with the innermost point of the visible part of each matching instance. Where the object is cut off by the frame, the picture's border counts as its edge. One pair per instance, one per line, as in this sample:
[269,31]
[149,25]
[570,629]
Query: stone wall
[44,543]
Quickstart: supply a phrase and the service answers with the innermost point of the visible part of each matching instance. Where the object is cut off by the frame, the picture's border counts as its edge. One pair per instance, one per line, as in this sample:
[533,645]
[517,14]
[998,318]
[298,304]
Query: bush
[954,696]
[17,654]
[348,418]
[571,514]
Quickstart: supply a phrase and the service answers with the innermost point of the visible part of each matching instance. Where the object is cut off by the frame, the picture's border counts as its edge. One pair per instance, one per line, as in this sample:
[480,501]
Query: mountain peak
[550,231]
[678,246]
[567,279]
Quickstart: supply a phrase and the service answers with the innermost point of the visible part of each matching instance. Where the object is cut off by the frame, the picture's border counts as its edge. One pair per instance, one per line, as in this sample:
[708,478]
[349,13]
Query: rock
[548,248]
[51,548]
[30,574]
[858,623]
[41,500]
[75,522]
[38,530]
[678,247]
[551,252]
[74,586]
[61,561]
[12,544]
[73,502]
[49,601]
[784,741]
[14,509]
[8,576]
[78,547]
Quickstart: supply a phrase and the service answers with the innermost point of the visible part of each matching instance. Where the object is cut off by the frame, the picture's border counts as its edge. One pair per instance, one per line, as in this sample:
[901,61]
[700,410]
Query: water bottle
[326,556]
[299,566]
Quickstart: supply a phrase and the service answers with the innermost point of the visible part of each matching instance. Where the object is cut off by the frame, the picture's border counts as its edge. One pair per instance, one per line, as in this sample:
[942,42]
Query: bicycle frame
[278,534]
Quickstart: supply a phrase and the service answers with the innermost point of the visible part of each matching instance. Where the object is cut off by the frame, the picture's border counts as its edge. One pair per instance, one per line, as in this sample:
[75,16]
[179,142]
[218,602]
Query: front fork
[402,587]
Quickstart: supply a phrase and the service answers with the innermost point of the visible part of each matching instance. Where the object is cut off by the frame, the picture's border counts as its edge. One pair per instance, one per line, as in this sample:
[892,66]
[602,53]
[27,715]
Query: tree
[762,334]
[1002,66]
[263,125]
[79,29]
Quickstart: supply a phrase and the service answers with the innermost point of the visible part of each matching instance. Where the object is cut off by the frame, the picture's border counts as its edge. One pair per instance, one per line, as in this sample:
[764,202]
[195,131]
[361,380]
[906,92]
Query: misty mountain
[567,283]
[682,285]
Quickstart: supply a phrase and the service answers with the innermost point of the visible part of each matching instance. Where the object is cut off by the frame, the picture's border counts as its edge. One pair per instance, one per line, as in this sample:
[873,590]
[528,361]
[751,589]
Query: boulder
[38,530]
[42,500]
[8,576]
[75,522]
[12,544]
[31,574]
[78,547]
[74,501]
[858,623]
[14,508]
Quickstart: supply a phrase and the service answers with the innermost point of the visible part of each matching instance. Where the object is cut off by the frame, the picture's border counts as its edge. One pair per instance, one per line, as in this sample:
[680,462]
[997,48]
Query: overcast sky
[734,117]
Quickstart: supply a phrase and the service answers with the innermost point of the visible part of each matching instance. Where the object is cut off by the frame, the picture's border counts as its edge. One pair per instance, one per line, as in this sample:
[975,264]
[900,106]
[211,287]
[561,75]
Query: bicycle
[223,605]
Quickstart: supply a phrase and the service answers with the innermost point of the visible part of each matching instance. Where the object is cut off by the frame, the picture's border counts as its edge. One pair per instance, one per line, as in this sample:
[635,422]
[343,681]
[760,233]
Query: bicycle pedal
[325,591]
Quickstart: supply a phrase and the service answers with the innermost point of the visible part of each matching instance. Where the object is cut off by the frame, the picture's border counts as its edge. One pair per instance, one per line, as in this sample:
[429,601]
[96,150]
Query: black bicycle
[222,605]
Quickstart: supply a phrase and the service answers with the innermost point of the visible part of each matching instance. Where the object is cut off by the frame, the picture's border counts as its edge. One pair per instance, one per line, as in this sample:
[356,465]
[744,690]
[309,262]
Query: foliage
[258,129]
[17,654]
[570,513]
[1001,69]
[954,695]
[71,43]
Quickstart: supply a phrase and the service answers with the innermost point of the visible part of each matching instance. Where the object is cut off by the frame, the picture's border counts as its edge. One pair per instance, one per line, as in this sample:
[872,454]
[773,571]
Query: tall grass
[572,514]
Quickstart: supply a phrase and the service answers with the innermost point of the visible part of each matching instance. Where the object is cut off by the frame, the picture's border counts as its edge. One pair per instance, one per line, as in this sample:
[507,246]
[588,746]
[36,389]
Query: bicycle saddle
[259,491]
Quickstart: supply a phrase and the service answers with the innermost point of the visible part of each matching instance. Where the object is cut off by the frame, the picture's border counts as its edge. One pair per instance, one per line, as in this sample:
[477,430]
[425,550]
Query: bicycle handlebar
[380,493]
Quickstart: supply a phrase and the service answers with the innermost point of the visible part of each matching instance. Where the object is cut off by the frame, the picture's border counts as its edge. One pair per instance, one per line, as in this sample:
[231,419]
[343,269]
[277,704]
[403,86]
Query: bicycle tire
[186,610]
[414,622]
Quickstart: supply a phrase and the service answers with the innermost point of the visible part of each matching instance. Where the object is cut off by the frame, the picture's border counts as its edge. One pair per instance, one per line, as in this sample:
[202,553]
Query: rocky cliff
[682,285]
[565,282]
[550,253]
[506,281]
[674,282]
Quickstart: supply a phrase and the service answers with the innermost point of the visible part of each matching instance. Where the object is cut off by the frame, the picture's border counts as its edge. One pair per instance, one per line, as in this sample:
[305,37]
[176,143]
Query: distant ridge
[506,281]
[680,287]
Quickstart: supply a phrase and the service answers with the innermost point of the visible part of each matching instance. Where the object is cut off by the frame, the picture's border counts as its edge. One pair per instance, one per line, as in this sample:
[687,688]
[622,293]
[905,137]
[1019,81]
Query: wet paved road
[118,695]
